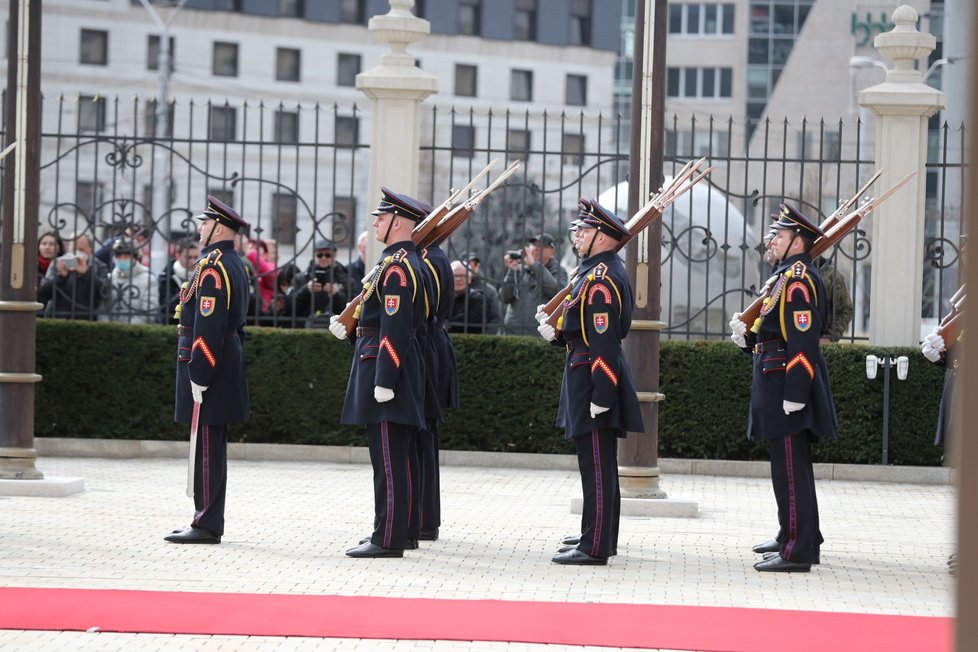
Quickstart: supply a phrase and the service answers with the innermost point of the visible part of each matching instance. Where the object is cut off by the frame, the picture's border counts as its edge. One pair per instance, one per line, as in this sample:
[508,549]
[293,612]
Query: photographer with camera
[320,293]
[74,285]
[533,276]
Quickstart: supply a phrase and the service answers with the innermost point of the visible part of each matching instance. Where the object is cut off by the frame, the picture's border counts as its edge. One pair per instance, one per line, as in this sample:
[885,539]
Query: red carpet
[613,625]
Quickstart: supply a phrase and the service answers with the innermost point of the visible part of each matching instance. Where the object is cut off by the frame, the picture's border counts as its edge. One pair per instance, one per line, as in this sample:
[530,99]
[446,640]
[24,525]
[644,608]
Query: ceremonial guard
[212,390]
[598,403]
[791,402]
[442,379]
[942,346]
[386,387]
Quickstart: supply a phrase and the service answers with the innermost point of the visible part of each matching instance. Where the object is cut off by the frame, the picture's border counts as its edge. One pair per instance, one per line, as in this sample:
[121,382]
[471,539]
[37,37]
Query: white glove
[929,351]
[382,394]
[739,340]
[597,409]
[738,327]
[547,331]
[935,340]
[791,406]
[540,314]
[336,328]
[197,391]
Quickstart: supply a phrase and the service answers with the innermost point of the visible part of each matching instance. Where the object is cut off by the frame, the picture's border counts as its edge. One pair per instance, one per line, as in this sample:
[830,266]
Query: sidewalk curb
[128,448]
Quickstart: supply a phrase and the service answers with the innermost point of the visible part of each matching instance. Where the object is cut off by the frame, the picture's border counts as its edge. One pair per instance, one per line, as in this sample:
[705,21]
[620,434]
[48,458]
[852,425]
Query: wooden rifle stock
[950,329]
[430,231]
[651,212]
[836,232]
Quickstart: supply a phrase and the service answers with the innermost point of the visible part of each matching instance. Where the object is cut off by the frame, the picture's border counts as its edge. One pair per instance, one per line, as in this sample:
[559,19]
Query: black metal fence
[298,174]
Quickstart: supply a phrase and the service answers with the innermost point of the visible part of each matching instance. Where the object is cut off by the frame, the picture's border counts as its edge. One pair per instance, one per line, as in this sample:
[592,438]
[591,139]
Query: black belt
[574,343]
[367,331]
[769,345]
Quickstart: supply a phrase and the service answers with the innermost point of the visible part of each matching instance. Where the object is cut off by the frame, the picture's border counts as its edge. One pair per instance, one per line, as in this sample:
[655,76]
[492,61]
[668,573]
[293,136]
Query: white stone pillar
[902,104]
[396,89]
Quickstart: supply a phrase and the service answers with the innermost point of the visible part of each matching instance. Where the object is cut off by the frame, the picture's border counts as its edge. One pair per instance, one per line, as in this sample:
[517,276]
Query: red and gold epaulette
[797,270]
[600,271]
[399,255]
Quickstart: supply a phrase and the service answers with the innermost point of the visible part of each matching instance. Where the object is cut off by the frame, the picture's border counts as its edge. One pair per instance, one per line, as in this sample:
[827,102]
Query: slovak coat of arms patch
[207,306]
[803,319]
[600,322]
[392,303]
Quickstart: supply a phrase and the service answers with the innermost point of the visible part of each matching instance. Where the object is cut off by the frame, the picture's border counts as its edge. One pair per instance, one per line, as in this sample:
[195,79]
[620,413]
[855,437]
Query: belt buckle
[359,331]
[757,349]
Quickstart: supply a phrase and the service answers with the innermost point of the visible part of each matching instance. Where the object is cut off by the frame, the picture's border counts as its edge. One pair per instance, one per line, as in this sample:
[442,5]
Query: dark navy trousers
[211,478]
[597,458]
[794,490]
[396,489]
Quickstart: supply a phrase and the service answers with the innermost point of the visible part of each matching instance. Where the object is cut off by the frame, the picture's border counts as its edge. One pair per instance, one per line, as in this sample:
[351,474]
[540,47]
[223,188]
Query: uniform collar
[403,244]
[223,245]
[596,259]
[803,257]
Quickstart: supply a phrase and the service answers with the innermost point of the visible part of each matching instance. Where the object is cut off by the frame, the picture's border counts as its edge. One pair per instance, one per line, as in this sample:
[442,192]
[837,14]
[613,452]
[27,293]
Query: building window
[347,69]
[94,48]
[88,198]
[347,131]
[345,210]
[153,53]
[573,149]
[225,63]
[521,85]
[699,83]
[287,127]
[285,208]
[463,141]
[419,9]
[149,119]
[288,62]
[575,91]
[701,19]
[225,195]
[352,12]
[223,123]
[701,143]
[772,29]
[580,23]
[91,113]
[470,17]
[291,8]
[518,144]
[466,78]
[525,21]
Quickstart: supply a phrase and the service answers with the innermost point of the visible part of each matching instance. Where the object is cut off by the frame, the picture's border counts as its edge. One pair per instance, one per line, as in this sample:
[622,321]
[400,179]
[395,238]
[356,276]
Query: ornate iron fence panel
[298,174]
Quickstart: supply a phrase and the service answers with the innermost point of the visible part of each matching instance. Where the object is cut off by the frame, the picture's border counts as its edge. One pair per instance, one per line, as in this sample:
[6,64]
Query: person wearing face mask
[176,272]
[791,401]
[386,388]
[133,295]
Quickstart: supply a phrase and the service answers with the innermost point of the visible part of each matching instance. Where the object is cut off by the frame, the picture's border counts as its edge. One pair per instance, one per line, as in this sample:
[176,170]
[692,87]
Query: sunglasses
[323,254]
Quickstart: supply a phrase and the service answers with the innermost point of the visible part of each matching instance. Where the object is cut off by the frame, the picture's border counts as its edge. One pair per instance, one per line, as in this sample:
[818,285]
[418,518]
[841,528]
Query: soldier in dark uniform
[386,386]
[791,402]
[598,403]
[947,355]
[442,379]
[210,365]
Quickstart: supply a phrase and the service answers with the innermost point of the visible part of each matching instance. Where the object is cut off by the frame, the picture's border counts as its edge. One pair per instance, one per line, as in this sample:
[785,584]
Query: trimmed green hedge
[117,381]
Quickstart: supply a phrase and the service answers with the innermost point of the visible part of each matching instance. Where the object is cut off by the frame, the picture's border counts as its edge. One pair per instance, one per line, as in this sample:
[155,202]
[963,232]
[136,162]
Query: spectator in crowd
[133,296]
[469,310]
[282,312]
[242,245]
[179,270]
[49,247]
[358,268]
[320,293]
[262,256]
[134,233]
[74,285]
[493,309]
[533,277]
[838,300]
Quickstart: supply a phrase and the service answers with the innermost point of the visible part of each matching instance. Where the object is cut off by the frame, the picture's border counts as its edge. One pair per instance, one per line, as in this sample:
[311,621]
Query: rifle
[651,212]
[834,218]
[950,326]
[836,232]
[428,228]
[454,219]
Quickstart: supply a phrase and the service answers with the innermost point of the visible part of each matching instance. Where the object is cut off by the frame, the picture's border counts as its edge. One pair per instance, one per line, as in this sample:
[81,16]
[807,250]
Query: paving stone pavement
[288,524]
